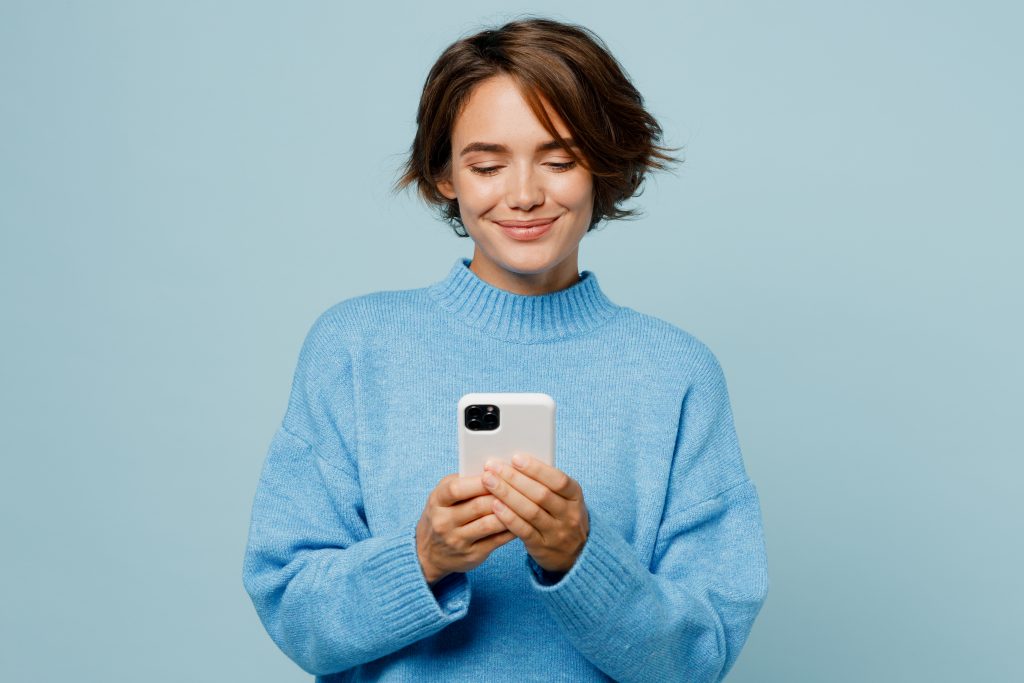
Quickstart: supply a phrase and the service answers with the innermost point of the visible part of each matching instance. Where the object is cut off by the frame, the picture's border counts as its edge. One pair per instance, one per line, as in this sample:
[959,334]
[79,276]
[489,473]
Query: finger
[481,528]
[551,502]
[522,506]
[514,522]
[475,508]
[454,488]
[488,544]
[538,517]
[552,477]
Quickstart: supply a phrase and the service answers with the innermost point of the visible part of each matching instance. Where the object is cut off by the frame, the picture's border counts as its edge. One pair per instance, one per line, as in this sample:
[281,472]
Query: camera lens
[473,412]
[490,420]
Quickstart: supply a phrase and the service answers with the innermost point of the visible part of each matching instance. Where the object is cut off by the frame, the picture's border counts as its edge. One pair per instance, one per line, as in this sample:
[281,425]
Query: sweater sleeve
[688,615]
[331,595]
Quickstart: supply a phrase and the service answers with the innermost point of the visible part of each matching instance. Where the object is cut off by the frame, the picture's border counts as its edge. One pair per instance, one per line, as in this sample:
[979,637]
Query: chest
[614,436]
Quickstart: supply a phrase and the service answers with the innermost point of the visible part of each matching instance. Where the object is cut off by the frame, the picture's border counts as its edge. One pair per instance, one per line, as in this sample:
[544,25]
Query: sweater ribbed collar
[523,318]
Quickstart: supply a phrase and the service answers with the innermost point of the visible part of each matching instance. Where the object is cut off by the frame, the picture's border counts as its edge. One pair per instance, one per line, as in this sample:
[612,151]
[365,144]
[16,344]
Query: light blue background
[185,186]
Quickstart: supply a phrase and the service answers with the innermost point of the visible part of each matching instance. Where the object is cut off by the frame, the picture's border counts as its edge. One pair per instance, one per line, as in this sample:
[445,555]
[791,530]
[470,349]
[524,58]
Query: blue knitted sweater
[674,569]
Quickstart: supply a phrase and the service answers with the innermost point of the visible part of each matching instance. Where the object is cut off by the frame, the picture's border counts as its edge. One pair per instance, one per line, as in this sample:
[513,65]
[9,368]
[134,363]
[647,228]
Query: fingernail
[518,460]
[489,479]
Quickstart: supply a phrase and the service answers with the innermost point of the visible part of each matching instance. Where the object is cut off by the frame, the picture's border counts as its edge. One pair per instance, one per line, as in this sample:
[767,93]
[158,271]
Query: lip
[525,231]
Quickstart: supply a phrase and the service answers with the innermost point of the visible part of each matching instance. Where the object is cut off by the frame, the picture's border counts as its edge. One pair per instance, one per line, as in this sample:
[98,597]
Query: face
[516,177]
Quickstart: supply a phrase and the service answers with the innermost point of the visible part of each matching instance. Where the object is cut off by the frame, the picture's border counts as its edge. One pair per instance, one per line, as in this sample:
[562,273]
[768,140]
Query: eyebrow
[495,147]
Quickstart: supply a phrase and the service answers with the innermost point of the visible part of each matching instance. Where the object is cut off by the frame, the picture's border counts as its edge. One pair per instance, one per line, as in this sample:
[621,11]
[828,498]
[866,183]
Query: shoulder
[355,321]
[669,345]
[336,337]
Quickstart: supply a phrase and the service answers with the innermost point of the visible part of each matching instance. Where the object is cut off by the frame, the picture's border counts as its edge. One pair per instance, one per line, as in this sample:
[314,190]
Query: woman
[640,556]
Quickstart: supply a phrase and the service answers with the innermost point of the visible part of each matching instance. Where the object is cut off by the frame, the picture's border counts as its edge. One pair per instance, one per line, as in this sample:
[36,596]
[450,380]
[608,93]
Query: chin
[530,260]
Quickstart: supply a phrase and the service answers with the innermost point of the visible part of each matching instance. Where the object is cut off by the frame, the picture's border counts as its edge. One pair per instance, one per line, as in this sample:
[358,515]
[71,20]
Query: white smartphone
[500,424]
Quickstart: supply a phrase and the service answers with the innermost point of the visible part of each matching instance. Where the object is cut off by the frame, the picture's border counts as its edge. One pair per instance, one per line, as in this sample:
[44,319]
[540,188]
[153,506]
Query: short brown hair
[574,70]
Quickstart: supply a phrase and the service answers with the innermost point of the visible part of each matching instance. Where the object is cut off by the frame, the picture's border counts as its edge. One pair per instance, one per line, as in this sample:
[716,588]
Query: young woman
[640,556]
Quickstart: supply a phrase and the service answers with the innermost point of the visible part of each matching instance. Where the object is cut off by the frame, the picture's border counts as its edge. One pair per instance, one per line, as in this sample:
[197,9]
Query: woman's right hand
[454,536]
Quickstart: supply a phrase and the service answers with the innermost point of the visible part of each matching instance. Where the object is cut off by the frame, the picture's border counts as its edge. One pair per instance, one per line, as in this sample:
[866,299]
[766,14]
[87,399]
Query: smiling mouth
[527,224]
[527,230]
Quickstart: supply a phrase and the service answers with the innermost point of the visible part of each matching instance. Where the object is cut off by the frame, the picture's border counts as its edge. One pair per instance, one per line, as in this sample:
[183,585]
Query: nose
[524,190]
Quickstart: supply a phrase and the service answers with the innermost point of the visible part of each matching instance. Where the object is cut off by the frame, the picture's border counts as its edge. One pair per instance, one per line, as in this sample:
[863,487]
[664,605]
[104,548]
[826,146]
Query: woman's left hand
[544,507]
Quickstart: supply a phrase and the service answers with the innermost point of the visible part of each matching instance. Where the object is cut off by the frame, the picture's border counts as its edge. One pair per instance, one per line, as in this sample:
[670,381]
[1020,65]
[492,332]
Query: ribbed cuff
[409,608]
[605,574]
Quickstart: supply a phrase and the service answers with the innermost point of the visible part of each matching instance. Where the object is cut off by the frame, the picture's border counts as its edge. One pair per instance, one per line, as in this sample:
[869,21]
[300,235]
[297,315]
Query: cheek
[575,192]
[478,192]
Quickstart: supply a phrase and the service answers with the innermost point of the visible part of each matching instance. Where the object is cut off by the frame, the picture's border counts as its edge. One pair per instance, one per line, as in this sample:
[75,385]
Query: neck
[561,276]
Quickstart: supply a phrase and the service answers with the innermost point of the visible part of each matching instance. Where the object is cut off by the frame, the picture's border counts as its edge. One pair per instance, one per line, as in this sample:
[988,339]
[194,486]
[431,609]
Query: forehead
[496,111]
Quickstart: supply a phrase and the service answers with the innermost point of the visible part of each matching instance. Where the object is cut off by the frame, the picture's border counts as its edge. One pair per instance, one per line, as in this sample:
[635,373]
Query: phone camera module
[482,418]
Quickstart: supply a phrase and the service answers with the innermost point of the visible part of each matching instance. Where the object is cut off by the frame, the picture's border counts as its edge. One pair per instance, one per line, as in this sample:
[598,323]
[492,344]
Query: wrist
[431,575]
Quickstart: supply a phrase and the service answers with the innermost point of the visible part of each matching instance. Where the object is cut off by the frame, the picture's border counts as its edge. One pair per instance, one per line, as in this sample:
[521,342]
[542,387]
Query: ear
[446,188]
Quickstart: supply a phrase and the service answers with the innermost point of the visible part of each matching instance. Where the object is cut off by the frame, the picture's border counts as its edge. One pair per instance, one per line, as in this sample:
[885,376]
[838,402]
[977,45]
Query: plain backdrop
[185,186]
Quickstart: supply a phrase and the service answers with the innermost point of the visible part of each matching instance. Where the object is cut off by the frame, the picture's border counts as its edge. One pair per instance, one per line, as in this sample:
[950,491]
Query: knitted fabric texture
[673,572]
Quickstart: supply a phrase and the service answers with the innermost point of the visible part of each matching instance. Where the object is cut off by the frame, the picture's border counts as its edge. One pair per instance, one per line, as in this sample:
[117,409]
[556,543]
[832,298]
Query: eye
[491,170]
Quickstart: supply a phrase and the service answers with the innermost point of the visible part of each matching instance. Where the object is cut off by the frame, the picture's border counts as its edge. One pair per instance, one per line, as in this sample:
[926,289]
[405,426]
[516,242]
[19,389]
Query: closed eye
[491,170]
